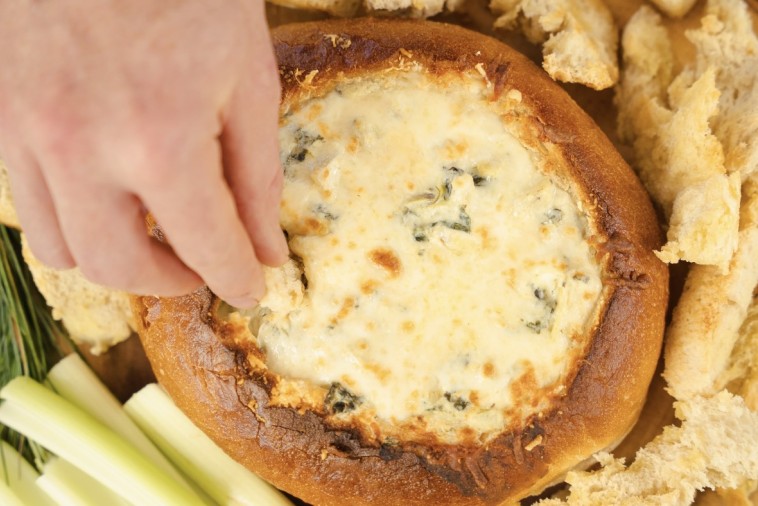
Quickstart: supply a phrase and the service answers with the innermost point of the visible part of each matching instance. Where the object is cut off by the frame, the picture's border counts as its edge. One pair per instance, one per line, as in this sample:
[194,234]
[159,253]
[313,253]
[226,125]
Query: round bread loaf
[472,307]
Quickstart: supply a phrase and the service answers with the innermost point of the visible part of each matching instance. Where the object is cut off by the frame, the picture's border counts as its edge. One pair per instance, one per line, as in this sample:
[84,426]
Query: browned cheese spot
[524,388]
[314,112]
[408,325]
[324,130]
[347,305]
[369,286]
[308,226]
[387,260]
[484,235]
[467,435]
[488,370]
[378,371]
[455,151]
[353,144]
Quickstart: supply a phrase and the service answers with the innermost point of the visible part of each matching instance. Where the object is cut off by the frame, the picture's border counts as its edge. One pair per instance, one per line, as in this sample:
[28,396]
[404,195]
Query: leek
[222,478]
[17,483]
[76,436]
[68,486]
[73,380]
[7,497]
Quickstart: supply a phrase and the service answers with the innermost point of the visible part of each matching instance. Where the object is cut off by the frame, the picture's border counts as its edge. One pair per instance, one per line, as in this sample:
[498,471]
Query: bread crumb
[534,443]
[579,37]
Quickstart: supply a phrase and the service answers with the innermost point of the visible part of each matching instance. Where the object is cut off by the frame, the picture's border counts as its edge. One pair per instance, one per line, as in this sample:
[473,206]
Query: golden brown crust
[191,353]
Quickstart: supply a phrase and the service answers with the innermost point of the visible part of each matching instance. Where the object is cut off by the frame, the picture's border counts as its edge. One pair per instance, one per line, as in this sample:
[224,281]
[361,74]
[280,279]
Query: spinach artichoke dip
[442,282]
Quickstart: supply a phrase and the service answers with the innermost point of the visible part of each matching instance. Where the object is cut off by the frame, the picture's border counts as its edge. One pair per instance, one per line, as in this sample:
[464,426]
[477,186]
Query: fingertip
[248,302]
[61,260]
[51,251]
[249,299]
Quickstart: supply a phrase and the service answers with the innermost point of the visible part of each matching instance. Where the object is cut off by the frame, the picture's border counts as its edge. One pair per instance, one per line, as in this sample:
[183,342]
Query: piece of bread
[714,447]
[348,8]
[674,8]
[706,322]
[95,316]
[473,307]
[579,37]
[711,100]
[341,8]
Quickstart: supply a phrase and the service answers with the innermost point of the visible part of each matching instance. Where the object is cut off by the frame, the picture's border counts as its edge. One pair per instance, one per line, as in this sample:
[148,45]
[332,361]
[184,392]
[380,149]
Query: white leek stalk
[8,497]
[73,380]
[222,478]
[68,486]
[76,436]
[17,480]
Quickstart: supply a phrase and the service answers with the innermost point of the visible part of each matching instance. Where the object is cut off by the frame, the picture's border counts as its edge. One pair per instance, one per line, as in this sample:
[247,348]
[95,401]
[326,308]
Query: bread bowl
[452,329]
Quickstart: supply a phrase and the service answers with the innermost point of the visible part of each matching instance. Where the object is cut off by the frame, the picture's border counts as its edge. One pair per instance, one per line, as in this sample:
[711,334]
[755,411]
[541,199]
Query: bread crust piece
[204,365]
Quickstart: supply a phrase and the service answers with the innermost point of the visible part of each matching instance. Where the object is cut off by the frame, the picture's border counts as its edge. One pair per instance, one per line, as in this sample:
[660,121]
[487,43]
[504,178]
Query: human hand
[109,109]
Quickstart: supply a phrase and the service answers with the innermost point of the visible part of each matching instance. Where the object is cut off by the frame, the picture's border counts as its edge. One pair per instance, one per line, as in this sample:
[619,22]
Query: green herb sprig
[29,336]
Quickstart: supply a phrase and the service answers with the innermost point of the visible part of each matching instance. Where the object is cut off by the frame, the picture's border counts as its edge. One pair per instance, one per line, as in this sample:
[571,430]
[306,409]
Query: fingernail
[245,302]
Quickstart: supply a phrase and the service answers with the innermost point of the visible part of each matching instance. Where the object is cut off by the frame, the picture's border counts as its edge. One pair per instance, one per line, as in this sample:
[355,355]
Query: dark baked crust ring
[206,372]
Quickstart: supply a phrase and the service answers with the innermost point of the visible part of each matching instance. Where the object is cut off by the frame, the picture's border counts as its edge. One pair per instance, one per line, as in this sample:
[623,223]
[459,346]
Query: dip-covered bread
[472,307]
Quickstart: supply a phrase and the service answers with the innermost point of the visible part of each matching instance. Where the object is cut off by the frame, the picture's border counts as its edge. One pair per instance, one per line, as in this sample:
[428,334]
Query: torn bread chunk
[579,37]
[95,316]
[691,133]
[674,8]
[727,43]
[741,375]
[713,448]
[706,322]
[339,8]
[350,8]
[414,8]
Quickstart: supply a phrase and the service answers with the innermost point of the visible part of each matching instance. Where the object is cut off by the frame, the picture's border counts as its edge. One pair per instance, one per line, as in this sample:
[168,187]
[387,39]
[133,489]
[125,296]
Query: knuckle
[151,163]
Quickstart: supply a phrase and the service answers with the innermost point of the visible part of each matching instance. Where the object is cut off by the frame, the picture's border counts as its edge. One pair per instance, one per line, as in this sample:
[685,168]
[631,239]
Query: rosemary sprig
[29,336]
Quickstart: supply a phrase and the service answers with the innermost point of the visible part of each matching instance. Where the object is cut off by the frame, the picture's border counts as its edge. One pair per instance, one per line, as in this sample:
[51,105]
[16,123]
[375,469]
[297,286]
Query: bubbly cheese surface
[442,280]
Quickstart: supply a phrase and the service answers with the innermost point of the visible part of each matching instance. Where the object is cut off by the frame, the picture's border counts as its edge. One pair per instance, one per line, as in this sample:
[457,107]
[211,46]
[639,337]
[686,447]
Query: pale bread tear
[579,37]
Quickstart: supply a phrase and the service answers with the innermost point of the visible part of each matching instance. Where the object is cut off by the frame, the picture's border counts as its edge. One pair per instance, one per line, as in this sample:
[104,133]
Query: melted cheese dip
[446,282]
